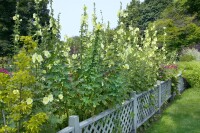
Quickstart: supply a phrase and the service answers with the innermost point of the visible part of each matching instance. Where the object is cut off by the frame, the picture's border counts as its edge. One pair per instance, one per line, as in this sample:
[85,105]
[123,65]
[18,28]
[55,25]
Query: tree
[7,9]
[133,11]
[141,14]
[26,10]
[181,28]
[193,6]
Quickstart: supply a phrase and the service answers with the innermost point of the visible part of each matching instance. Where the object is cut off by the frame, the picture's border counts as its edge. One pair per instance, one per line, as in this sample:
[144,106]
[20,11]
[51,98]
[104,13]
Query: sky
[71,11]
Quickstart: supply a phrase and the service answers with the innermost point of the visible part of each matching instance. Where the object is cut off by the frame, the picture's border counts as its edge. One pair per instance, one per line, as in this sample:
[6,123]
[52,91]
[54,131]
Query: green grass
[182,116]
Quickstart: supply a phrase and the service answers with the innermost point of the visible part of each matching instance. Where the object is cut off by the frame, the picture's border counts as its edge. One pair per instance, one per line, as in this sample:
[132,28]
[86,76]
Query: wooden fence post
[74,122]
[135,112]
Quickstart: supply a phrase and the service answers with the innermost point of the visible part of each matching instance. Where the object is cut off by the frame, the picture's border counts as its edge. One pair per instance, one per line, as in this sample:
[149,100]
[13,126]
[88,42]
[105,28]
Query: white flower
[102,84]
[102,46]
[49,66]
[125,15]
[38,1]
[16,38]
[39,32]
[29,101]
[120,31]
[46,53]
[50,97]
[43,79]
[126,66]
[65,54]
[89,45]
[164,28]
[14,18]
[39,58]
[60,96]
[130,28]
[136,29]
[74,56]
[34,57]
[45,100]
[15,92]
[34,15]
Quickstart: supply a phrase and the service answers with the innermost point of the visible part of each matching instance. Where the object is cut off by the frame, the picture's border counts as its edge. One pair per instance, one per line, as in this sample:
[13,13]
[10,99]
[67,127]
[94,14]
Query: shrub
[187,58]
[193,53]
[191,71]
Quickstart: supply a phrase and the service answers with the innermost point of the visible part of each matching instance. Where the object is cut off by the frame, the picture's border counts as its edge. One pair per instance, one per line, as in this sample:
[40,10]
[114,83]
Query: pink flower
[3,70]
[171,66]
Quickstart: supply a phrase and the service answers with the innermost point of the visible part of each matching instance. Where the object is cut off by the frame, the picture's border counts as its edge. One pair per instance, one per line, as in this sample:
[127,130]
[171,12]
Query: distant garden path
[183,116]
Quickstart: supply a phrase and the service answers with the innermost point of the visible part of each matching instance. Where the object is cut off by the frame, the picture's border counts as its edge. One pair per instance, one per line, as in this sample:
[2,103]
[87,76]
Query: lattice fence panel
[147,105]
[165,91]
[121,120]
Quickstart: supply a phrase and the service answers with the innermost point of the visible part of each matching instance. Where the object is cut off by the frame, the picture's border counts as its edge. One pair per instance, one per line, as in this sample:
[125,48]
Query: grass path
[182,116]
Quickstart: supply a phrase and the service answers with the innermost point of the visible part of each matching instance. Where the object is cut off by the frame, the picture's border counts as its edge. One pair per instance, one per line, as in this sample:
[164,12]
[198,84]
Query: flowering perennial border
[130,115]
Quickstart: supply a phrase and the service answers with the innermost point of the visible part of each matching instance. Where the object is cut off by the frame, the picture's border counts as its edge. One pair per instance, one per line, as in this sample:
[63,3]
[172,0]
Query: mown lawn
[182,116]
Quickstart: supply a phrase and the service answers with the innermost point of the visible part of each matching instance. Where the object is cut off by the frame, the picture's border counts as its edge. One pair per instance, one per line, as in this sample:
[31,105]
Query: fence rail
[126,118]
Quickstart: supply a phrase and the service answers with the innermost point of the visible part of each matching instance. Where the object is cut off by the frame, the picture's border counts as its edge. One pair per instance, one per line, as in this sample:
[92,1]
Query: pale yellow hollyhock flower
[39,32]
[34,15]
[16,38]
[14,18]
[29,101]
[126,66]
[65,54]
[60,96]
[136,29]
[43,79]
[15,92]
[45,100]
[50,97]
[102,45]
[46,53]
[74,56]
[34,57]
[39,58]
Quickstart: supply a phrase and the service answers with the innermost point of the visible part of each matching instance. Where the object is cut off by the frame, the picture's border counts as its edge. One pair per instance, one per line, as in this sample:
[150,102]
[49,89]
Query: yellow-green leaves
[33,125]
